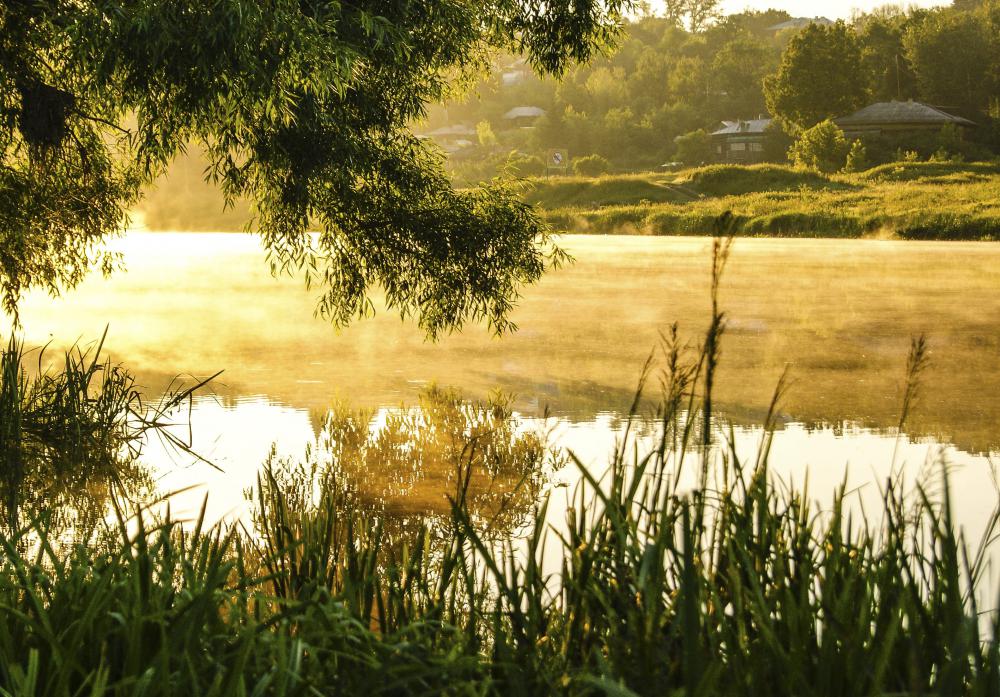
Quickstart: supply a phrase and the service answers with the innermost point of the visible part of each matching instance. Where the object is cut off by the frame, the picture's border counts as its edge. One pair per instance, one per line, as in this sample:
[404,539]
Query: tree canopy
[819,77]
[302,106]
[956,56]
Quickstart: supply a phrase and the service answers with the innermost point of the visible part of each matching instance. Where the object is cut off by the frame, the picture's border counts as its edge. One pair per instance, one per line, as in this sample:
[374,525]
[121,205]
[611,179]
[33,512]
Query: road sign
[558,159]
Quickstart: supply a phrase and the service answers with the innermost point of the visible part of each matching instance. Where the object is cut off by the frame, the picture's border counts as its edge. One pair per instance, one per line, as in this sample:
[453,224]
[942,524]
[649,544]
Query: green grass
[925,200]
[683,571]
[572,192]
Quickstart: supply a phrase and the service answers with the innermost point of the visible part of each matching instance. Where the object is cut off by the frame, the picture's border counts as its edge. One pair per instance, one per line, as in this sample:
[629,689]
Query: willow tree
[302,107]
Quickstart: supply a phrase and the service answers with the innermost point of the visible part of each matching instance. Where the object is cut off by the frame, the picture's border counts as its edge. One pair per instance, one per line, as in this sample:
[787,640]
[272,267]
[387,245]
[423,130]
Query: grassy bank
[682,571]
[922,200]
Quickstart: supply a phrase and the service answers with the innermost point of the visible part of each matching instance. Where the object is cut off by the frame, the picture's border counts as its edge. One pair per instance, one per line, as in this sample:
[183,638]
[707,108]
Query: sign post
[557,161]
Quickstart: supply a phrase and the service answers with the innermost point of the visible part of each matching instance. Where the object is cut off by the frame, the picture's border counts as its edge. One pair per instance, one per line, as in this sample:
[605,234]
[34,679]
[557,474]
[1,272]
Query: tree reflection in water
[387,480]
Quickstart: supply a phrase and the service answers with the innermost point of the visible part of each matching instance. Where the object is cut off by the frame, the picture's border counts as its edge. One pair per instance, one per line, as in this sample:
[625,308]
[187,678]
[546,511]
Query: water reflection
[240,435]
[842,312]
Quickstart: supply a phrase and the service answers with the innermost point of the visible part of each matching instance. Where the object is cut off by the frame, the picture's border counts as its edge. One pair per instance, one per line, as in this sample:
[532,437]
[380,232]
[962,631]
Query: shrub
[484,132]
[951,226]
[857,157]
[822,147]
[915,171]
[776,143]
[591,166]
[694,148]
[526,166]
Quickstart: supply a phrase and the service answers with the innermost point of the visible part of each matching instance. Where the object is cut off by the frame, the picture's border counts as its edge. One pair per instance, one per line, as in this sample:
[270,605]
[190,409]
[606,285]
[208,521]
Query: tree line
[676,75]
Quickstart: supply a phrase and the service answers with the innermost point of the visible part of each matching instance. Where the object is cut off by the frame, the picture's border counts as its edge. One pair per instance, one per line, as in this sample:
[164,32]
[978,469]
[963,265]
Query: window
[737,147]
[756,147]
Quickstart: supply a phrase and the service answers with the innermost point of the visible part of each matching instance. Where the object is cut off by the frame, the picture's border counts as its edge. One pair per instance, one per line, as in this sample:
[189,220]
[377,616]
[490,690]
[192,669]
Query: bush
[822,147]
[857,157]
[526,166]
[589,192]
[930,171]
[694,148]
[734,180]
[776,143]
[591,166]
[951,226]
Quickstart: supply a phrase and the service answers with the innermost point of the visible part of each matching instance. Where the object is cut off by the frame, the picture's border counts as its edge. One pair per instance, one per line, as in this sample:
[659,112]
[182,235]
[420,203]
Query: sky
[834,9]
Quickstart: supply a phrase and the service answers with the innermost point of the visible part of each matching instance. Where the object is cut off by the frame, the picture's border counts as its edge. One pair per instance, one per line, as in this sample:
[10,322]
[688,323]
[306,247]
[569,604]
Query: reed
[71,434]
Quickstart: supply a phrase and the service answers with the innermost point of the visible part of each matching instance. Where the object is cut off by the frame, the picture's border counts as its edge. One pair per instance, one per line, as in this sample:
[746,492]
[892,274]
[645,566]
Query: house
[454,137]
[797,23]
[524,116]
[899,118]
[740,141]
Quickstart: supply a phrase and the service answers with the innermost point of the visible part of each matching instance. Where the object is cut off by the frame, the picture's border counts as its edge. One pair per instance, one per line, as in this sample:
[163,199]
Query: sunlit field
[901,200]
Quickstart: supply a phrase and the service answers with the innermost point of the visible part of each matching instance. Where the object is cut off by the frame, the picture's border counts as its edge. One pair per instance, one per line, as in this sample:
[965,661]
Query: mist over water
[840,313]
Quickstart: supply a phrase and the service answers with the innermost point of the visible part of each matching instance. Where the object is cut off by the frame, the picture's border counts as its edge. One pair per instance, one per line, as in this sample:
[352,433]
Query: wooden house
[740,141]
[899,119]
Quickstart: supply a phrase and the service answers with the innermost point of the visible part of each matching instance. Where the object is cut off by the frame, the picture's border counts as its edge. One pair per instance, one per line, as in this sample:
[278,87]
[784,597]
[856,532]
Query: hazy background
[834,9]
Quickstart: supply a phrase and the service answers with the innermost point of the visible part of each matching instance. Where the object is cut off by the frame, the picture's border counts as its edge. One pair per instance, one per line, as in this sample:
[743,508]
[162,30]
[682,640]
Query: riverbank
[905,200]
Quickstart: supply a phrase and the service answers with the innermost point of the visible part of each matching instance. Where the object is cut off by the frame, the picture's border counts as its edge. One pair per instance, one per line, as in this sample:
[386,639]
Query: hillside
[907,200]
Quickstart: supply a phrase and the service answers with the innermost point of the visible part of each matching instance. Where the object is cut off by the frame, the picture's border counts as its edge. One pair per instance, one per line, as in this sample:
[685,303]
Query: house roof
[900,113]
[524,112]
[751,127]
[801,23]
[459,129]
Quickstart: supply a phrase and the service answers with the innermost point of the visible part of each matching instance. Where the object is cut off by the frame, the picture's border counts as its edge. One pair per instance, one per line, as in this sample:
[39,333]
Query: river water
[839,315]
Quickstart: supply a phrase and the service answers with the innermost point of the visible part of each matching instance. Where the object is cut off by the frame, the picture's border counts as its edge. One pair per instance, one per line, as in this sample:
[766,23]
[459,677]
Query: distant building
[898,118]
[524,116]
[453,138]
[740,141]
[801,23]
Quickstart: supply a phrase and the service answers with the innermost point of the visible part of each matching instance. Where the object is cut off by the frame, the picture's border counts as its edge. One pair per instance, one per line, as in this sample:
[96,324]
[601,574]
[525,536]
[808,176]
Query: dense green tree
[952,54]
[822,147]
[738,71]
[756,22]
[820,76]
[694,148]
[302,106]
[883,55]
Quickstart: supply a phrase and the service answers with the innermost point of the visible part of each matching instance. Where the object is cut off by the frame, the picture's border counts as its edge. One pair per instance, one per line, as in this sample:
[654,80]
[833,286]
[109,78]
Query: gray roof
[459,129]
[801,23]
[524,112]
[900,113]
[753,126]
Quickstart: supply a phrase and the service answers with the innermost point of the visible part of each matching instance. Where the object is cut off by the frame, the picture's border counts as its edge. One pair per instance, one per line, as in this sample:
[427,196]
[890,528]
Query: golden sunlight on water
[840,313]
